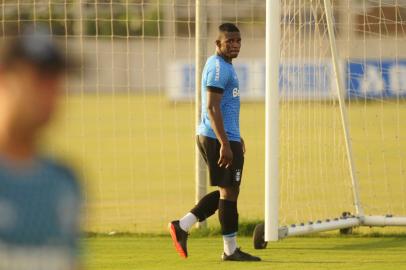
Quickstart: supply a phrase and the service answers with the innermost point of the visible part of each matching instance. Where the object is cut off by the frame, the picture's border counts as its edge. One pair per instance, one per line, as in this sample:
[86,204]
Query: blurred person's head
[228,42]
[31,78]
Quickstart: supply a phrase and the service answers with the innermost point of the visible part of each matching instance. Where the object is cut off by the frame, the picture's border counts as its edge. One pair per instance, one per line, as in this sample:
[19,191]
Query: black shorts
[220,176]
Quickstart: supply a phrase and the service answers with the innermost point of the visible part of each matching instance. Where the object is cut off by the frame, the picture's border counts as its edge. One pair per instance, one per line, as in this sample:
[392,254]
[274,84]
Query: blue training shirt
[39,216]
[220,74]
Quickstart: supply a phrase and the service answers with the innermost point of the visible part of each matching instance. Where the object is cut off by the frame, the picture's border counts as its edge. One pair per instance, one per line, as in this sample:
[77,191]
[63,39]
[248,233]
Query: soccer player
[221,146]
[39,197]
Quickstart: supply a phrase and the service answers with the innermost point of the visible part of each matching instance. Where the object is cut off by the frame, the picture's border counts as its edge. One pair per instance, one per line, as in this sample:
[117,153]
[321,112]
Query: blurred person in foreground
[39,197]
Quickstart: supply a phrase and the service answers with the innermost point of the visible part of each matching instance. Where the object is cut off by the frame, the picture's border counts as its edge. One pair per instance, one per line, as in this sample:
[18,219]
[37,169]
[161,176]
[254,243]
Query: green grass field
[151,253]
[135,155]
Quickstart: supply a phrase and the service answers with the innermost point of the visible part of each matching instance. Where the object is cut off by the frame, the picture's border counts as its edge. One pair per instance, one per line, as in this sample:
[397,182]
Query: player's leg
[205,208]
[208,205]
[228,217]
[228,213]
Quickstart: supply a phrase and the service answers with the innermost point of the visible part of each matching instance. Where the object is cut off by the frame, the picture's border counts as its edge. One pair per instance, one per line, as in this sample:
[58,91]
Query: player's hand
[226,156]
[243,146]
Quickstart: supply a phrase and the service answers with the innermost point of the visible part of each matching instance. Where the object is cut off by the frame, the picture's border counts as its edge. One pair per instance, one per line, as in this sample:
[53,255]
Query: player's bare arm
[216,118]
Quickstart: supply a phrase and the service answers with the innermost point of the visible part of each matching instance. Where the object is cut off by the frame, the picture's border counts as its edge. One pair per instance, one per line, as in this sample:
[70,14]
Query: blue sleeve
[217,75]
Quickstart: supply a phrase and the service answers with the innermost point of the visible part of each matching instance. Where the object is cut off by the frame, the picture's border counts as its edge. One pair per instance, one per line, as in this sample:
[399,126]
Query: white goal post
[272,119]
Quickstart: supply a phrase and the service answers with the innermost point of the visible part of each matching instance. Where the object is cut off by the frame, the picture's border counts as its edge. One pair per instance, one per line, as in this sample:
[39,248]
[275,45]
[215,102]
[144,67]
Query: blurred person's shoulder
[65,174]
[58,165]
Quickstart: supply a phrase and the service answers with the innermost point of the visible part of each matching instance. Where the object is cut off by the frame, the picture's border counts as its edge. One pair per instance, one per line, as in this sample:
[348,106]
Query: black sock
[228,216]
[207,206]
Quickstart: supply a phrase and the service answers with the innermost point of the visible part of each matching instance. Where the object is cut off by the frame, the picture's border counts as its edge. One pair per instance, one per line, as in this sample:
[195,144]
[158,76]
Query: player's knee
[229,193]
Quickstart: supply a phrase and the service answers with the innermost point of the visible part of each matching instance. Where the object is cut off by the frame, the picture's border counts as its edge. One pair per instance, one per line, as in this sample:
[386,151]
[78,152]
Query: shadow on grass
[318,262]
[377,243]
[368,245]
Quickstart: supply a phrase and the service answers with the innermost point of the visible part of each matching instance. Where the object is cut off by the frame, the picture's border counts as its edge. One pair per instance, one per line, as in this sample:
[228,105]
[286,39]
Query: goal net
[127,119]
[128,124]
[315,175]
